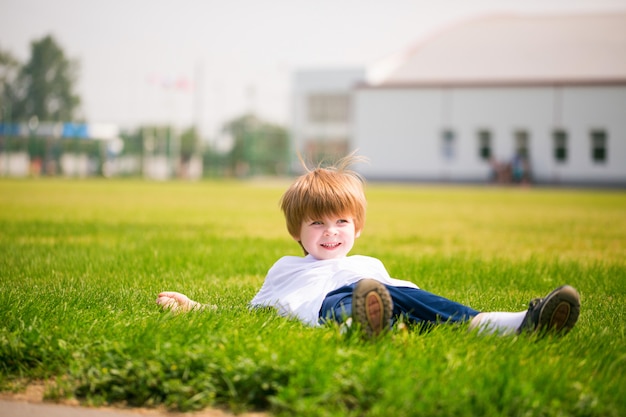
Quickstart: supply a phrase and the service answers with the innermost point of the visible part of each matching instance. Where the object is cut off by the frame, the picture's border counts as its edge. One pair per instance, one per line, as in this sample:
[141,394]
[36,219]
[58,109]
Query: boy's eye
[321,222]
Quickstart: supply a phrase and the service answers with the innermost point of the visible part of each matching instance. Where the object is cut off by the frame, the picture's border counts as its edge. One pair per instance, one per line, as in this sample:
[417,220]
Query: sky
[204,62]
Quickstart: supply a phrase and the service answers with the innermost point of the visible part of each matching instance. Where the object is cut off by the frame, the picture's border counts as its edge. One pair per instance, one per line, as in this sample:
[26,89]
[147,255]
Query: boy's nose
[330,231]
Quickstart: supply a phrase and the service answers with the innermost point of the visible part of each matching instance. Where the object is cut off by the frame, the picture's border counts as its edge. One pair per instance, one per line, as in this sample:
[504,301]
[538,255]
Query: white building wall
[586,109]
[397,130]
[501,111]
[400,131]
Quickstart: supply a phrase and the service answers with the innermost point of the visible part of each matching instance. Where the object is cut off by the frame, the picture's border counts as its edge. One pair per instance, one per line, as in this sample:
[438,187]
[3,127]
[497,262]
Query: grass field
[81,263]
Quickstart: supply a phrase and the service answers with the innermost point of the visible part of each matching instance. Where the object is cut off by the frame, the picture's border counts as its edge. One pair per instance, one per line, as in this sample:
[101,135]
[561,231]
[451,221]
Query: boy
[325,212]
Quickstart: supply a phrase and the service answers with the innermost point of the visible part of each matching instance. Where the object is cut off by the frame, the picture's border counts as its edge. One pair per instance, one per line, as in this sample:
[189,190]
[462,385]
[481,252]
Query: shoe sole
[372,307]
[560,310]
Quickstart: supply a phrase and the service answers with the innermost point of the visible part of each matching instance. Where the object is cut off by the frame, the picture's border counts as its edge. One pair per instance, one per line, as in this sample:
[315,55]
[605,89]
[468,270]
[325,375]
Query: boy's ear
[357,234]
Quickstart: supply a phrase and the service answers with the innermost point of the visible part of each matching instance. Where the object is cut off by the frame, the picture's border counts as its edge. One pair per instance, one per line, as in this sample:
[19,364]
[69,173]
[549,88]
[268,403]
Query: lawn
[81,263]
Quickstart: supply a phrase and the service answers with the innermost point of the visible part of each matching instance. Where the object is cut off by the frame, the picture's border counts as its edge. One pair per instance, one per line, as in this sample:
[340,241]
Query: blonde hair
[323,191]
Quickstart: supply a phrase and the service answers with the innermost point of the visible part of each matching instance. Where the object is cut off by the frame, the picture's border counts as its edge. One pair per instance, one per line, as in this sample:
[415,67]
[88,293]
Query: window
[559,138]
[598,146]
[448,144]
[325,108]
[521,144]
[484,144]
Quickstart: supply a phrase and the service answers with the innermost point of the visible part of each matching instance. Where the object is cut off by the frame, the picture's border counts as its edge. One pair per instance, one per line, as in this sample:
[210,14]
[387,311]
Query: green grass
[81,263]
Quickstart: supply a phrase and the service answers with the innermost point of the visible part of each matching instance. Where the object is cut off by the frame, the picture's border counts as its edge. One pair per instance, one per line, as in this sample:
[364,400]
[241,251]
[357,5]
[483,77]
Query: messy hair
[324,191]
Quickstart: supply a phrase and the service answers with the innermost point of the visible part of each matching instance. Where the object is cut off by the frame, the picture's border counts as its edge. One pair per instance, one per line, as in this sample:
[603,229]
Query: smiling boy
[325,212]
[330,237]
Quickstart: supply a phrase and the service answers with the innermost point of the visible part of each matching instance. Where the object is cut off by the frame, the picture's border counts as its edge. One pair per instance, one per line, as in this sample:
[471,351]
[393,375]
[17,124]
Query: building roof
[514,49]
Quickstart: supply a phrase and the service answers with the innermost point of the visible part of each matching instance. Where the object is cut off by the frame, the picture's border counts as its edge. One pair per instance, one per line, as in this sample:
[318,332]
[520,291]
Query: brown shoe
[557,312]
[372,307]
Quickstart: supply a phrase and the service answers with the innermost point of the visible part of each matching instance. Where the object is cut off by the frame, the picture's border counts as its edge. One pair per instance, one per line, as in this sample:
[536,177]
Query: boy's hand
[176,301]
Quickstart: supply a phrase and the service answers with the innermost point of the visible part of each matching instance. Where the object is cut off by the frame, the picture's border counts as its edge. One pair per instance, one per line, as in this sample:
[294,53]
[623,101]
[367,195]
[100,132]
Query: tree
[45,85]
[9,69]
[189,143]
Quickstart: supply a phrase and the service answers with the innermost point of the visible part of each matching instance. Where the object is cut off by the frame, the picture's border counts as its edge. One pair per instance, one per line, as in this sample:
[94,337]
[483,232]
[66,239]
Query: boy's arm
[175,301]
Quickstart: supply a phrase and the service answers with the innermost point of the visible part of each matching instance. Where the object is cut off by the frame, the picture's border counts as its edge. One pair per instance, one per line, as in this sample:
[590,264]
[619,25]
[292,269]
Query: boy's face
[330,237]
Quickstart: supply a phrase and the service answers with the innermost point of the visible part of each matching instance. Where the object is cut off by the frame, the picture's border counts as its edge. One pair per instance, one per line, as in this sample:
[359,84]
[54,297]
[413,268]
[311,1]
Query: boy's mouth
[330,245]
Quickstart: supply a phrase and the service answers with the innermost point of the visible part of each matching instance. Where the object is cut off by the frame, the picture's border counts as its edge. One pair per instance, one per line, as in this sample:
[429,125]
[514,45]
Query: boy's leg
[421,306]
[416,304]
[557,312]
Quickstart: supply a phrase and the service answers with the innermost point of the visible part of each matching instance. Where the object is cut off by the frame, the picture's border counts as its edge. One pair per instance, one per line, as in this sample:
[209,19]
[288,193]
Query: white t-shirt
[297,286]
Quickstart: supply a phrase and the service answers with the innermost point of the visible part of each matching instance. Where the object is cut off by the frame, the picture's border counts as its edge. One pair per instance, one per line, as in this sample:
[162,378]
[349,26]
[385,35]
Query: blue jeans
[416,305]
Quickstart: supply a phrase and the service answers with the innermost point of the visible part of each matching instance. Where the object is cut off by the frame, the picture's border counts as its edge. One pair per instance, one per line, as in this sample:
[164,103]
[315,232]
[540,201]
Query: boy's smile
[330,237]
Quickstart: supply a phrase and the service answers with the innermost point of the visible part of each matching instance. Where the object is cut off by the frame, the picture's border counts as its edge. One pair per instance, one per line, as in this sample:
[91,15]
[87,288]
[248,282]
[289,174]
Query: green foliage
[260,148]
[133,142]
[9,69]
[189,143]
[45,85]
[81,264]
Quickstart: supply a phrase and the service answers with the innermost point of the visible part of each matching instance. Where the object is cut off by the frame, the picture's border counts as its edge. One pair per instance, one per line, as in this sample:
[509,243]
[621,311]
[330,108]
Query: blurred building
[503,97]
[322,111]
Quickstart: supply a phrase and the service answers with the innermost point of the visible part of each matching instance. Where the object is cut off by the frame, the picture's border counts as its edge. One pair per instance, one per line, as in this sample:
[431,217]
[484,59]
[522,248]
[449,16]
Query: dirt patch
[33,394]
[30,402]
